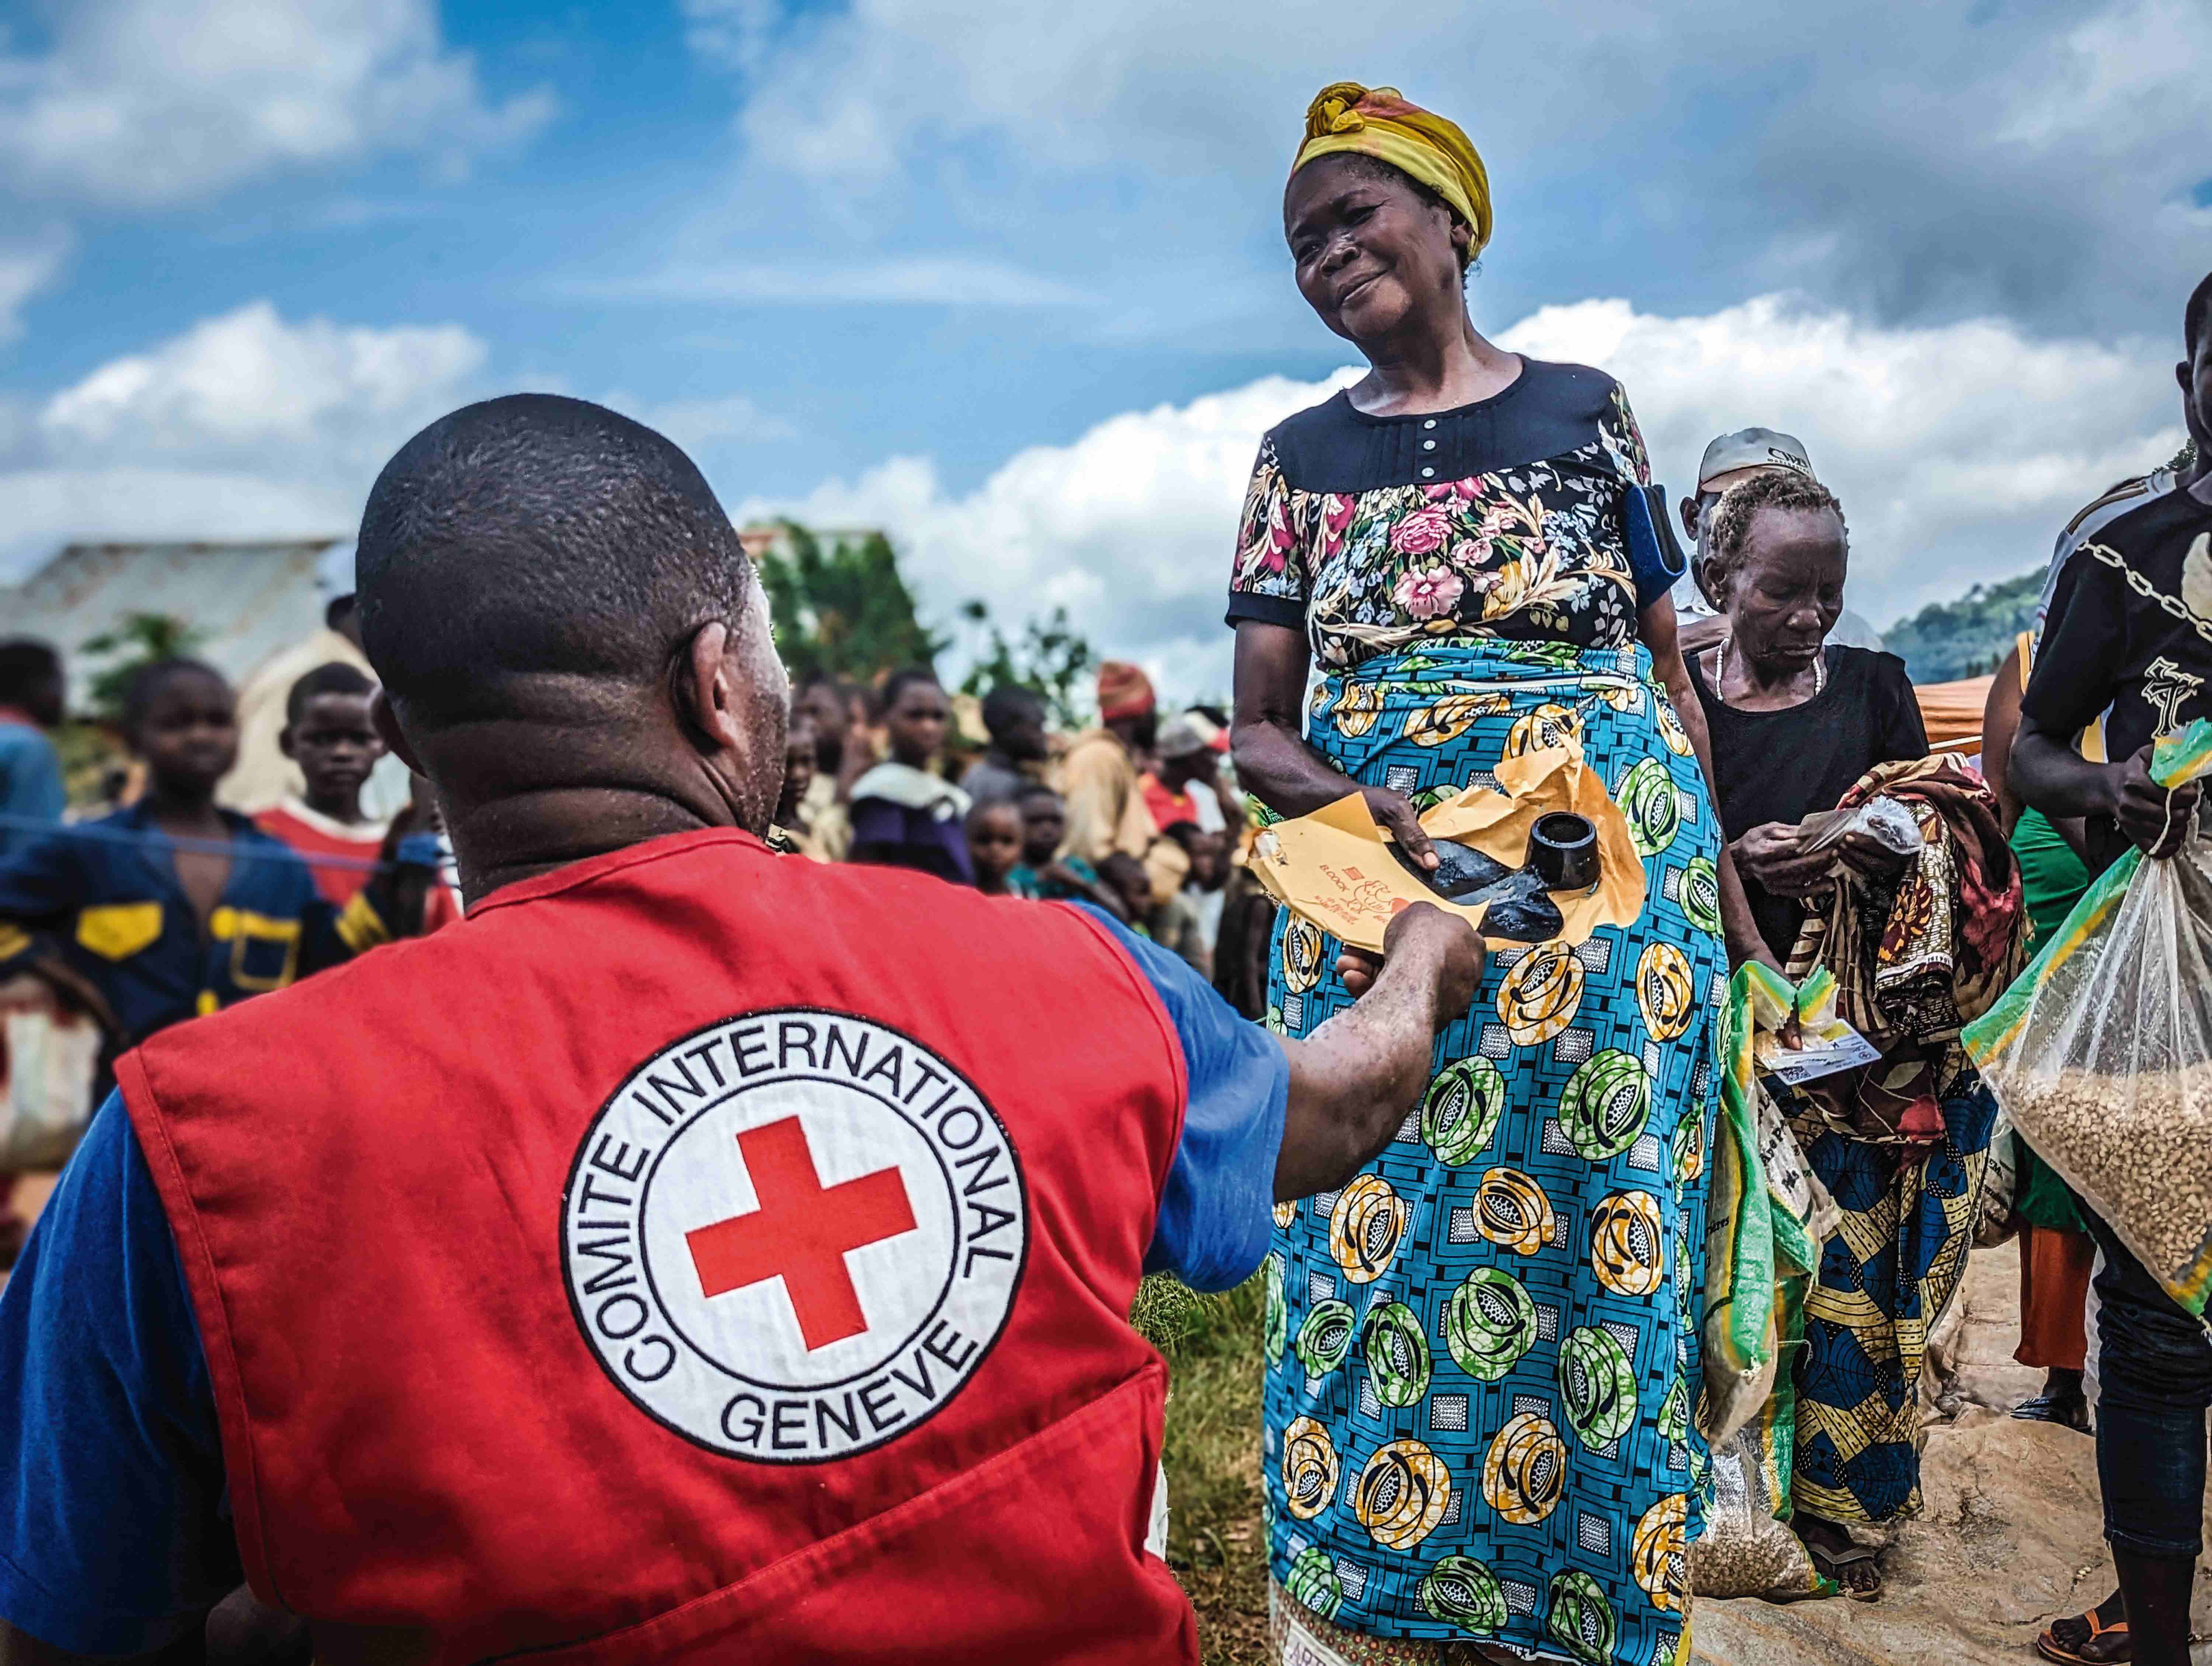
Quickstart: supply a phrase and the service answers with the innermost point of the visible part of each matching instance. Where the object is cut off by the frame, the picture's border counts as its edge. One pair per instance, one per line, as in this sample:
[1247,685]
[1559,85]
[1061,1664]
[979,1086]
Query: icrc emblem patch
[794,1235]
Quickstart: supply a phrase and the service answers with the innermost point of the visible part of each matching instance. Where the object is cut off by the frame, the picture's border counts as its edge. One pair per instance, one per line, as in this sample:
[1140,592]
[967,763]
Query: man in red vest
[694,1254]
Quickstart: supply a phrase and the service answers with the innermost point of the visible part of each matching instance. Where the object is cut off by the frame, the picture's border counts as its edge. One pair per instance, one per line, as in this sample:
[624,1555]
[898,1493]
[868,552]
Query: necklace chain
[2143,587]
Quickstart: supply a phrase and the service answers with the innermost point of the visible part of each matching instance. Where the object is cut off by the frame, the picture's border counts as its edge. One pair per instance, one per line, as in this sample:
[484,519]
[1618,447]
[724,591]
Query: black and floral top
[1503,518]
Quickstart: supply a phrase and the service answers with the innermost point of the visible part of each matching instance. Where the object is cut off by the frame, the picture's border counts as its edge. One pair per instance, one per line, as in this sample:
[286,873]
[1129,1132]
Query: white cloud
[1957,451]
[143,102]
[1912,158]
[246,425]
[25,268]
[733,33]
[1130,528]
[249,380]
[698,424]
[48,508]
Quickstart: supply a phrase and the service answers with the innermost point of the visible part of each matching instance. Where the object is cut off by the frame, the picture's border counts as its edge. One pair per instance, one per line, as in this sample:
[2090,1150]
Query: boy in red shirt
[327,733]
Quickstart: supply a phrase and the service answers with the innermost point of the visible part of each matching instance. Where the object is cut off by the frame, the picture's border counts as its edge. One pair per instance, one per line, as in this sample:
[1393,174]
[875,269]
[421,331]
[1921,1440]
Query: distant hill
[1946,640]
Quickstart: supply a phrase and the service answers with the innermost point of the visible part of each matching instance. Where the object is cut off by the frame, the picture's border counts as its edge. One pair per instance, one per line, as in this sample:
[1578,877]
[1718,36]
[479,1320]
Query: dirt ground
[2011,1538]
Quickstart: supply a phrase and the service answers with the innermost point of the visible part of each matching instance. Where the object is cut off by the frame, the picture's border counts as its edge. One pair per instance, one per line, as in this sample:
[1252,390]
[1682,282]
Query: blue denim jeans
[2154,1365]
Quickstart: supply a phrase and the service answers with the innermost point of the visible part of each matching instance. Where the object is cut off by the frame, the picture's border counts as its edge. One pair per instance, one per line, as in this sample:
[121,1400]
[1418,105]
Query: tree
[1967,637]
[138,641]
[1050,659]
[845,611]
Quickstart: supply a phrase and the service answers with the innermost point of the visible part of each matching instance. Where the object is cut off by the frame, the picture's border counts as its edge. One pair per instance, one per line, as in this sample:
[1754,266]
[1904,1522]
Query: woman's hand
[1276,765]
[1769,853]
[1867,856]
[1394,813]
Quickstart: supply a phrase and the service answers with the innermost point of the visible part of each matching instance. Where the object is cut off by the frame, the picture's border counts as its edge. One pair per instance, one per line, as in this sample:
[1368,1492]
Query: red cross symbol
[801,1232]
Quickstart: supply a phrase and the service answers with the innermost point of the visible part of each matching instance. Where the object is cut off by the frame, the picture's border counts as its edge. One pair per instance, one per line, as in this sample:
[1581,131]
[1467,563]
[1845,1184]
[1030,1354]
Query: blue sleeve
[30,775]
[1217,1211]
[114,1528]
[1655,559]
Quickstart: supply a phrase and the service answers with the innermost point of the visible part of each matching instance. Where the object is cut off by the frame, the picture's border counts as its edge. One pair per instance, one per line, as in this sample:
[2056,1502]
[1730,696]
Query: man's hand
[1355,1077]
[1422,931]
[1769,853]
[1394,813]
[2155,817]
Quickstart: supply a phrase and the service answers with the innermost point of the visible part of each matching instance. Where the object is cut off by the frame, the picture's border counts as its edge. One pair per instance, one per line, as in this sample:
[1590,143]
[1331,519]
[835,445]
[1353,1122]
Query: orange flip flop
[2052,1649]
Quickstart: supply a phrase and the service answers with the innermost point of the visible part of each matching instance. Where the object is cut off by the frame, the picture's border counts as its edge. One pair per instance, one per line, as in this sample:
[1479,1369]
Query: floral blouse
[1504,518]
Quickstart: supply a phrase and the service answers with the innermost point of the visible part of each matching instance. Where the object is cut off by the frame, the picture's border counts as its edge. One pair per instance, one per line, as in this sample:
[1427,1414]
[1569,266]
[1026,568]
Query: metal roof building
[247,600]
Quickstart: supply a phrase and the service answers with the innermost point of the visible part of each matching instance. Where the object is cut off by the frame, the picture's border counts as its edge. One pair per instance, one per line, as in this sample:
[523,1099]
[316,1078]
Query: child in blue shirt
[192,909]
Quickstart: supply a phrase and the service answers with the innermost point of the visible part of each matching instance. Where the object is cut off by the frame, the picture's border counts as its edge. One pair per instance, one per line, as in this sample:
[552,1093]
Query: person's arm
[1267,1119]
[2000,722]
[113,1541]
[43,883]
[1353,1079]
[1658,628]
[2048,773]
[1272,759]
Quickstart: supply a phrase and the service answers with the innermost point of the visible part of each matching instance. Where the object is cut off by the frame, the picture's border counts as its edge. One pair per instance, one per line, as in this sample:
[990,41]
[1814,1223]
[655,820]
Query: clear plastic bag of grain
[2101,1052]
[1748,1547]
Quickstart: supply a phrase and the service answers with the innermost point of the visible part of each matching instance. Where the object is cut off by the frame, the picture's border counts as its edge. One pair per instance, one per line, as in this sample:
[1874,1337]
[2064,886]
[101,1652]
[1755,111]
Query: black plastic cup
[1563,849]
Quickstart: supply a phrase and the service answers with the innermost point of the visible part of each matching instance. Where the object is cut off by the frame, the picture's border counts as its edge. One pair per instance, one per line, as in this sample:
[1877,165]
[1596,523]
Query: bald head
[569,634]
[534,541]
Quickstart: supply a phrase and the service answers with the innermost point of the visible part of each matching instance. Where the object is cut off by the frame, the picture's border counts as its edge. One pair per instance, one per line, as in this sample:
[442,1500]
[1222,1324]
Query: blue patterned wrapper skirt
[1482,1351]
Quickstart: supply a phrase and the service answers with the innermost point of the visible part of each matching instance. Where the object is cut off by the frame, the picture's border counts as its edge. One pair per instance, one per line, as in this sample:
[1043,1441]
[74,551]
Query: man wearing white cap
[1729,461]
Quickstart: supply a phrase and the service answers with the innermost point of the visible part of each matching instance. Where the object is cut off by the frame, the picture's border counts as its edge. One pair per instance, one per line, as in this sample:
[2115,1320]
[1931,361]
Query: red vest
[696,1255]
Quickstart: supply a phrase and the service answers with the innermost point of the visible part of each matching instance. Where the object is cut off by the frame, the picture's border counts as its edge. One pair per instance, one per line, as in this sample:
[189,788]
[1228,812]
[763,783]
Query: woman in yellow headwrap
[1463,541]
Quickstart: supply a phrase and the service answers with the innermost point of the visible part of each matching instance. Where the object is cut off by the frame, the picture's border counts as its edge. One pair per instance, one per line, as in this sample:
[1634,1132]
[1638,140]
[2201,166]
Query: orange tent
[1953,713]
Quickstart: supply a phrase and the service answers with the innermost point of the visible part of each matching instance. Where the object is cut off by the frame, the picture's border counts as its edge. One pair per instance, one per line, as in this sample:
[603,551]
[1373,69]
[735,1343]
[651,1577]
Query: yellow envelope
[1334,867]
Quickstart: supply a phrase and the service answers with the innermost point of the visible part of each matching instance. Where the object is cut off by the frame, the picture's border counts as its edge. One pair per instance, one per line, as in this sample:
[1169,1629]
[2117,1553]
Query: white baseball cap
[1752,448]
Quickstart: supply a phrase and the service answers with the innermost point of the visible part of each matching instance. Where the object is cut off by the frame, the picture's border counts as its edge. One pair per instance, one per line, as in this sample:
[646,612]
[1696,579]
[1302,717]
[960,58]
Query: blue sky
[1009,280]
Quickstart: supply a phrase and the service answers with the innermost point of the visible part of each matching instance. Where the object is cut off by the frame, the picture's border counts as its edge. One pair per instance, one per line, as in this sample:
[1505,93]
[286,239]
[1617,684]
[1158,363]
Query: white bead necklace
[1720,666]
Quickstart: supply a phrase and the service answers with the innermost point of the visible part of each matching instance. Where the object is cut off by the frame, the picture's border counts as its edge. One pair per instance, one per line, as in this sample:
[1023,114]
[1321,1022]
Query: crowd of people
[1476,1185]
[1132,816]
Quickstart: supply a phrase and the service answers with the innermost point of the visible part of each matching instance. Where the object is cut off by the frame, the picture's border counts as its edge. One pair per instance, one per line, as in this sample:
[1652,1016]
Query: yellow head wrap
[1379,122]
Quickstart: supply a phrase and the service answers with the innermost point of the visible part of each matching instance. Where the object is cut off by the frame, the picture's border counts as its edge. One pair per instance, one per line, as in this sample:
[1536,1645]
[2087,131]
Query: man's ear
[709,702]
[386,723]
[284,741]
[1689,511]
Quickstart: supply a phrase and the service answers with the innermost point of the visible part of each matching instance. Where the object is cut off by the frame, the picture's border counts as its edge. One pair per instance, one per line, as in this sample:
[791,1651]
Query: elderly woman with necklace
[1480,1350]
[1918,945]
[1795,721]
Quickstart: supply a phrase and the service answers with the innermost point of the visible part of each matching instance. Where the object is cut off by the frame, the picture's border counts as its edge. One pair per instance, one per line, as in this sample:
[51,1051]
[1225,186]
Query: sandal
[1853,1568]
[2118,1650]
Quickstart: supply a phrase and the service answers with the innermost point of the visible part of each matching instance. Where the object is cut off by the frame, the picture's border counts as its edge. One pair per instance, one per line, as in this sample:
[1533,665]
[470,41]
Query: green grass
[1215,1543]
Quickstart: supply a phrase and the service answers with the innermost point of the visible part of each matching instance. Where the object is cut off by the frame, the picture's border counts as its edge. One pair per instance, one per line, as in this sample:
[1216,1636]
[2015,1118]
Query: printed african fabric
[1506,519]
[1297,1636]
[1886,1276]
[1918,953]
[1480,1350]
